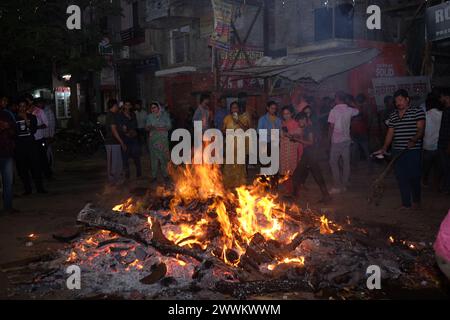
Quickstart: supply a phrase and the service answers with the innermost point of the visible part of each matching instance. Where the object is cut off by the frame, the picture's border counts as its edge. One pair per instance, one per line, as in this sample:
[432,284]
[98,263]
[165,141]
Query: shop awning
[317,66]
[175,71]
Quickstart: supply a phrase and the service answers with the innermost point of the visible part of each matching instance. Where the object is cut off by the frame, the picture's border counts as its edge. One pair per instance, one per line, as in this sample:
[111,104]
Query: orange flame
[325,226]
[256,212]
[297,261]
[125,207]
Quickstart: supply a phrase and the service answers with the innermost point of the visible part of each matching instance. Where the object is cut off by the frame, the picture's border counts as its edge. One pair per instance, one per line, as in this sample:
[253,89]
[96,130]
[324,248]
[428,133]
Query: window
[62,101]
[323,24]
[343,22]
[179,45]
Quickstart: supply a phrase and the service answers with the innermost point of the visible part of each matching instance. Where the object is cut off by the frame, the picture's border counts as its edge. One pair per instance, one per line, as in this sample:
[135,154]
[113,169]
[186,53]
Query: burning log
[130,226]
[134,227]
[113,241]
[257,253]
[137,228]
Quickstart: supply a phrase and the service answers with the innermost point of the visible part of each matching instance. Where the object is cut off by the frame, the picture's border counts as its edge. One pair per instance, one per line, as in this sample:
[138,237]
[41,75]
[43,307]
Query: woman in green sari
[158,126]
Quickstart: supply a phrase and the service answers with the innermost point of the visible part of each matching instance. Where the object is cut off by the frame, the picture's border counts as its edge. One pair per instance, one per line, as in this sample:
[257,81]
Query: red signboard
[390,63]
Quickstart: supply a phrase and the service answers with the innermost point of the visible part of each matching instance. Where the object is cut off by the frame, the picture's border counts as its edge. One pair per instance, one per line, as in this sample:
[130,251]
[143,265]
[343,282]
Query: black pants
[28,167]
[309,164]
[409,176]
[143,136]
[41,146]
[133,152]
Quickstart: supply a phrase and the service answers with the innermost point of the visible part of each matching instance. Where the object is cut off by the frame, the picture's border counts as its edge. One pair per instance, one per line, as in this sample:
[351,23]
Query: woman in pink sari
[289,150]
[442,246]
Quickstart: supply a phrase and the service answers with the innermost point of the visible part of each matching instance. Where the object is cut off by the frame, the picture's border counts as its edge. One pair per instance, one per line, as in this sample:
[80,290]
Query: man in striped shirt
[406,127]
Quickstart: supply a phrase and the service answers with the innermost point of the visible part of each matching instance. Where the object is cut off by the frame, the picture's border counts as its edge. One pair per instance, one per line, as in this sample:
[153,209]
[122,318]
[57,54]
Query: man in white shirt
[40,138]
[49,132]
[51,119]
[431,138]
[340,120]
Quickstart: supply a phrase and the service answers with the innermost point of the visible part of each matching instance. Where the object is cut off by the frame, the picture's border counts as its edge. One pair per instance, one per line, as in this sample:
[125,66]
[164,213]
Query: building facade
[166,55]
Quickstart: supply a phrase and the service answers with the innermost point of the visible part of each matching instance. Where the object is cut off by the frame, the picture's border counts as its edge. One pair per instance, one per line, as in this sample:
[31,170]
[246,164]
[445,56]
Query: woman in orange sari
[290,151]
[235,175]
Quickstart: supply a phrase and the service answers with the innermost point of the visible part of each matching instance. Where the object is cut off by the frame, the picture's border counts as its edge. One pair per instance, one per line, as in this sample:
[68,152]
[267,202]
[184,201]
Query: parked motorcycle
[70,144]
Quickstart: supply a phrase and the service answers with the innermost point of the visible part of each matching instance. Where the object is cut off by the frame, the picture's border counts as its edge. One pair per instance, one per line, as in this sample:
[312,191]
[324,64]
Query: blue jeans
[115,164]
[409,175]
[340,150]
[6,168]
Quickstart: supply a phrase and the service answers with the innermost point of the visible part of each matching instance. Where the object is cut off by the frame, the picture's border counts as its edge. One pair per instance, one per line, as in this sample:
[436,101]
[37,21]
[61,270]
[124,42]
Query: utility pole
[266,22]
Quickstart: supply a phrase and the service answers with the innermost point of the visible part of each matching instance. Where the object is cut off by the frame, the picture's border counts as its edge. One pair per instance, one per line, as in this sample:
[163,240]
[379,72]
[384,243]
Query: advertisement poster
[223,12]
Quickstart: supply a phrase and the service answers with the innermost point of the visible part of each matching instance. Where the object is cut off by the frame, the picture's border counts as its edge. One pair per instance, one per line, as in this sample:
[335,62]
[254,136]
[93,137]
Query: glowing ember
[91,242]
[72,257]
[136,264]
[300,261]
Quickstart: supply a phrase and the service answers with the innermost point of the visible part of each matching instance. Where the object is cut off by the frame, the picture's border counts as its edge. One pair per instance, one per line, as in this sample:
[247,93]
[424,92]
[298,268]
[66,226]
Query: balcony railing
[132,36]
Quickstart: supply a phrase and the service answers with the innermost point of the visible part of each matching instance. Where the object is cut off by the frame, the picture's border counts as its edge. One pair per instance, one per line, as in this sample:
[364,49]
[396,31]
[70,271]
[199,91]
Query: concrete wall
[294,23]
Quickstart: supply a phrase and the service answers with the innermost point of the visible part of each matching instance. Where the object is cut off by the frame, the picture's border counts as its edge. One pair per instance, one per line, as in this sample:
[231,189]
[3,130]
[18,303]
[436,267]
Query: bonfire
[198,236]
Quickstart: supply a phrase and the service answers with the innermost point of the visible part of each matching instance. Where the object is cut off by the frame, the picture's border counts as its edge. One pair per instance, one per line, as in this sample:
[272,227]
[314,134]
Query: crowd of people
[128,127]
[346,129]
[27,129]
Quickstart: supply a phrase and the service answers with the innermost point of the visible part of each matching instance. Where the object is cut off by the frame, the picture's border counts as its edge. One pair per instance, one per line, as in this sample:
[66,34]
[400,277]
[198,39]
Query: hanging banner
[240,57]
[438,22]
[417,87]
[223,12]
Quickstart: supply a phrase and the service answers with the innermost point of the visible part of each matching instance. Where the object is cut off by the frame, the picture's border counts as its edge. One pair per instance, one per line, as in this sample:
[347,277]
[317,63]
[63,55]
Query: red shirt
[360,124]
